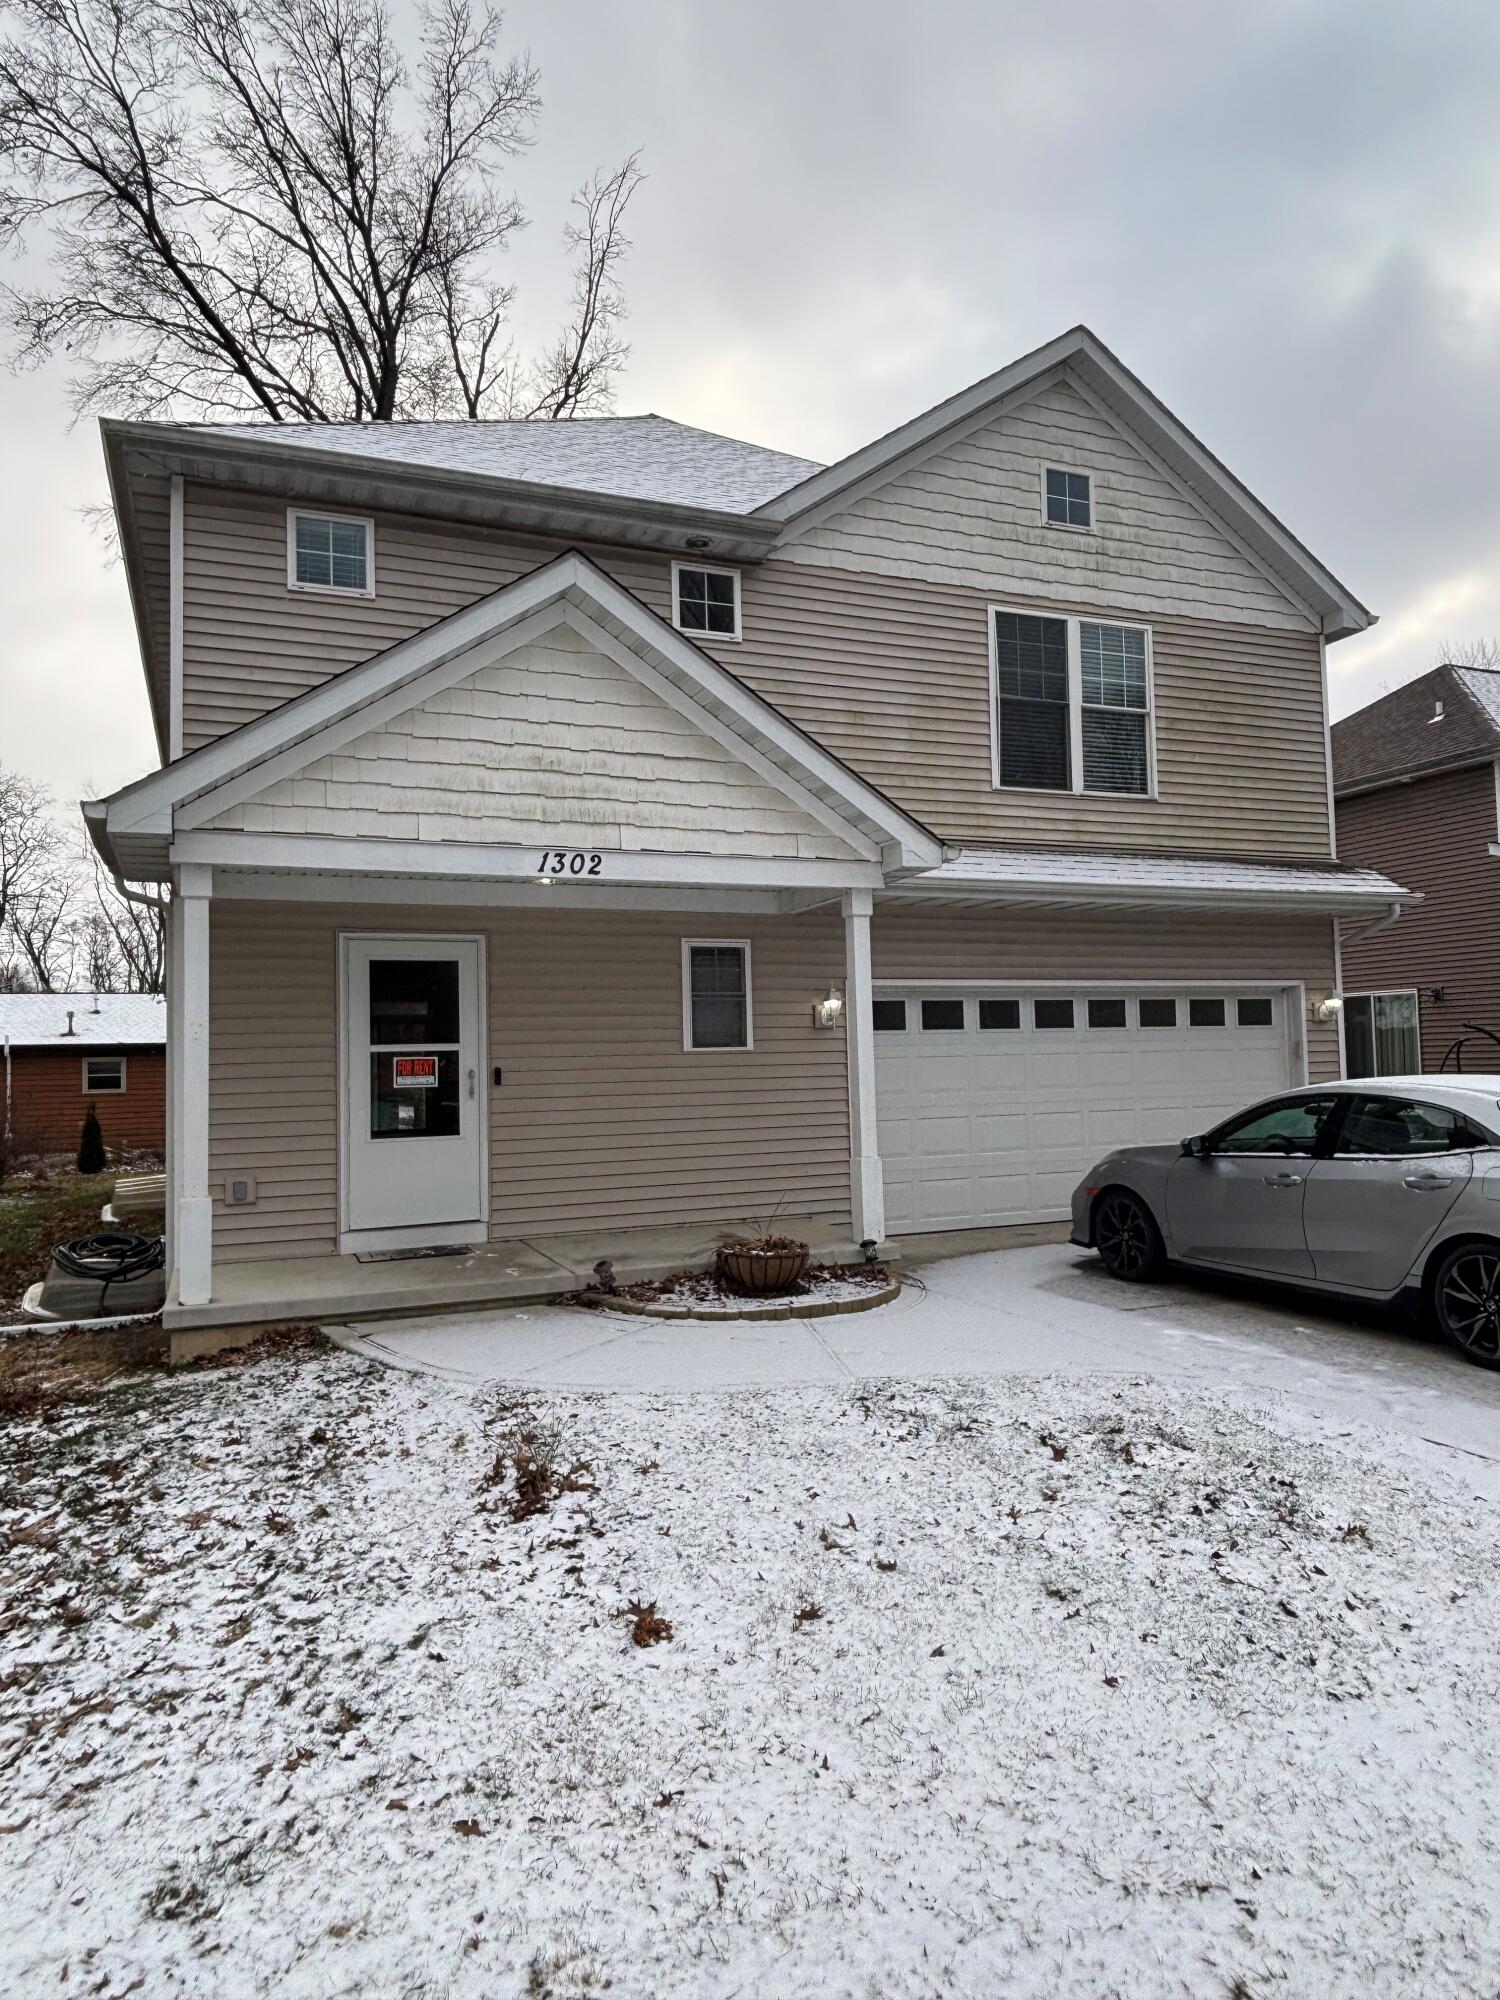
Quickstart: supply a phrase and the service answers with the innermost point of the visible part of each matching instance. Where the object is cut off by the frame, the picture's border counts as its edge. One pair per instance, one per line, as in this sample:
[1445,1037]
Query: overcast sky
[1285,217]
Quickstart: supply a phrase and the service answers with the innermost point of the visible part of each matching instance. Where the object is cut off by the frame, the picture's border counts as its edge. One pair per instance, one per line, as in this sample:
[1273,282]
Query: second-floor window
[333,552]
[1072,705]
[706,601]
[1068,498]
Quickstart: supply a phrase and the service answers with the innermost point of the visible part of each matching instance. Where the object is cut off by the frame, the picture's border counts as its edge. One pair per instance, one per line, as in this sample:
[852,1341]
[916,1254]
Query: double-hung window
[1071,705]
[716,993]
[103,1076]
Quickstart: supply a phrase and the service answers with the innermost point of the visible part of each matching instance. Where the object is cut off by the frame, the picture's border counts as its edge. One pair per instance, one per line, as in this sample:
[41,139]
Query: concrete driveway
[1044,1309]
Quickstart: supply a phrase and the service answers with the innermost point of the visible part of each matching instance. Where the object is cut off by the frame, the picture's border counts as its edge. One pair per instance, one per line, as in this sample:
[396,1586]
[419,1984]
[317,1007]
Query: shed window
[330,552]
[716,994]
[103,1076]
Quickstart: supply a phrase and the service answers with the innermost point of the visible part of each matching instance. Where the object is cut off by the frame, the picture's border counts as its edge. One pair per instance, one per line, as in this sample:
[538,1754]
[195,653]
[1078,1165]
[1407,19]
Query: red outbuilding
[62,1052]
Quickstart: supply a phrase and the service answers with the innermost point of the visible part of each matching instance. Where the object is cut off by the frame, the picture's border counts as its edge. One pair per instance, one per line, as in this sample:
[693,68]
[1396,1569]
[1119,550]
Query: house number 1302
[558,861]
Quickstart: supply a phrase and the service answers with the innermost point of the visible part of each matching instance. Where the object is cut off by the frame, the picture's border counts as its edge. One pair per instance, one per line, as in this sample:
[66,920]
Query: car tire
[1464,1295]
[1129,1243]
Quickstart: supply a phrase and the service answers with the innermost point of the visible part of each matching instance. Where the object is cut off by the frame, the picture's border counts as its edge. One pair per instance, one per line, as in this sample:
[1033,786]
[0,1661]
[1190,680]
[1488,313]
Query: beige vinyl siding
[971,514]
[1434,836]
[552,745]
[1082,945]
[602,1121]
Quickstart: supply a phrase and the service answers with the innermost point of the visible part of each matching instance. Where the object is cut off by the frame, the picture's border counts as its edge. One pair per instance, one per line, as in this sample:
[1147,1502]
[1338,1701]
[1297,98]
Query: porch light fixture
[829,1011]
[545,881]
[1328,1006]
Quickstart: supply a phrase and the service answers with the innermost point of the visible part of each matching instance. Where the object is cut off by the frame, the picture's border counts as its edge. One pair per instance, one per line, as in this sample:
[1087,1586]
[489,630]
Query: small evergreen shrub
[91,1155]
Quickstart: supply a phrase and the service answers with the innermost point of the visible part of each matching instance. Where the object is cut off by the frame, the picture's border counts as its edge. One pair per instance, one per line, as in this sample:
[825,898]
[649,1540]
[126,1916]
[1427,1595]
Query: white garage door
[993,1105]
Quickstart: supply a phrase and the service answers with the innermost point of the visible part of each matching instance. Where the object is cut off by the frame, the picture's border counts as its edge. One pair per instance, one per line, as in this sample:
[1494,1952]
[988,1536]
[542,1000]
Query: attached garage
[994,1100]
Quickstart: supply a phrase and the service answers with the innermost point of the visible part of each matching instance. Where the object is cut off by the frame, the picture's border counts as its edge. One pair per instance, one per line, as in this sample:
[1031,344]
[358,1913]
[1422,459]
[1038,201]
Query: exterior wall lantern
[829,1011]
[1328,1006]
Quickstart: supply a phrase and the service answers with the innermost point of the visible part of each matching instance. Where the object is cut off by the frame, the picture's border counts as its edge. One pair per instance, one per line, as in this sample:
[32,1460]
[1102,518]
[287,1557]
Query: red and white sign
[414,1072]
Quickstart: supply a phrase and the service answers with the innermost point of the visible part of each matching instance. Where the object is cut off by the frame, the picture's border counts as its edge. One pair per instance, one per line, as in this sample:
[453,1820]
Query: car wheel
[1127,1238]
[1466,1301]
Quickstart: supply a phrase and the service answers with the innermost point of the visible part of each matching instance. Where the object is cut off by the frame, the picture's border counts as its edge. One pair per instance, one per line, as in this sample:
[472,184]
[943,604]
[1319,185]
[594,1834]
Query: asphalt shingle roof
[1403,732]
[633,458]
[40,1020]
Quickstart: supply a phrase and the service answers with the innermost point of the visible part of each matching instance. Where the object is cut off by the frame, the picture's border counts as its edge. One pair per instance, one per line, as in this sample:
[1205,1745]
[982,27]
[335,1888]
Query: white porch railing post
[866,1182]
[193,1238]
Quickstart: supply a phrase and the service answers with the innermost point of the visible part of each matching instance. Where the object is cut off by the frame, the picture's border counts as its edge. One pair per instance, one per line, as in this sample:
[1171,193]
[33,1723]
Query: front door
[414,1147]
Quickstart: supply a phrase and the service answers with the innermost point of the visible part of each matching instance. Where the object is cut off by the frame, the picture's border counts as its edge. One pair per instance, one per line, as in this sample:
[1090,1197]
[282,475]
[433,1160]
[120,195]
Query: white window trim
[1079,472]
[691,631]
[103,1089]
[365,521]
[1075,703]
[690,1047]
[1379,993]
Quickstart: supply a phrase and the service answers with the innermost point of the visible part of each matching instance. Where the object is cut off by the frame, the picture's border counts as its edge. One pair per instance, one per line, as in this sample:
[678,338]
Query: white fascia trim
[176,544]
[1288,902]
[480,861]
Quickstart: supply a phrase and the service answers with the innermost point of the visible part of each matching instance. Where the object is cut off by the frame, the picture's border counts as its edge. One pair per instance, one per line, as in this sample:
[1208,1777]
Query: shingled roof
[1441,721]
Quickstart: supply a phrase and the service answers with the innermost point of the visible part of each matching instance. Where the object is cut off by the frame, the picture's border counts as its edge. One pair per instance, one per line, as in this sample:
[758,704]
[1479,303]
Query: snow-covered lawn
[1039,1687]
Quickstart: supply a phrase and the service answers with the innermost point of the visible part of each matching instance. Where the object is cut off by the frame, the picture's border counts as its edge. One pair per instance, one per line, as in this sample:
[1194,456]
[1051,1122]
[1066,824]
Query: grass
[35,1219]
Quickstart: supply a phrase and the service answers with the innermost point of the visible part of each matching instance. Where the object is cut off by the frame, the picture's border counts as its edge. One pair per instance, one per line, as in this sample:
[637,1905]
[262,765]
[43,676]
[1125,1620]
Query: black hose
[110,1257]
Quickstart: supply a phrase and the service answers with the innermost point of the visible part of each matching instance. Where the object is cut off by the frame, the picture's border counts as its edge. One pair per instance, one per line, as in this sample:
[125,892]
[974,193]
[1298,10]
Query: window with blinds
[1113,691]
[1072,705]
[1031,669]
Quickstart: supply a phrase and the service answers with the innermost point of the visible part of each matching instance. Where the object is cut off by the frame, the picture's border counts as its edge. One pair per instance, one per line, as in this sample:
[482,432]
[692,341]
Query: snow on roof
[40,1020]
[634,458]
[1484,684]
[1038,868]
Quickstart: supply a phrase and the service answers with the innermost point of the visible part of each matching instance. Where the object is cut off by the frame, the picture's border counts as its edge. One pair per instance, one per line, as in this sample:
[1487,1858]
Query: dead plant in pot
[765,1262]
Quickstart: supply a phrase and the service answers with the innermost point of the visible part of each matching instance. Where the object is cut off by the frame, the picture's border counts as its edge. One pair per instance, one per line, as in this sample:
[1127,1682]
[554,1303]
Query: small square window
[1205,1013]
[1257,1013]
[706,601]
[1001,1014]
[1107,1014]
[103,1076]
[1157,1013]
[330,552]
[942,1015]
[1069,499]
[889,1016]
[1052,1013]
[716,978]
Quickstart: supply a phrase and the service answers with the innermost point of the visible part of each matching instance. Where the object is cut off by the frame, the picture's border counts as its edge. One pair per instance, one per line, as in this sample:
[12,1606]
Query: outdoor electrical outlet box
[239,1188]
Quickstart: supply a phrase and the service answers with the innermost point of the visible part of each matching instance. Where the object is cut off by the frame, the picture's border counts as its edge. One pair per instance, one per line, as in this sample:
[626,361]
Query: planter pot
[763,1270]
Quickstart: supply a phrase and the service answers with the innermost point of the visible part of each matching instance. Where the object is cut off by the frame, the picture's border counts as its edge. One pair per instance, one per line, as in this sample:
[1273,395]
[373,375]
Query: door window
[1286,1129]
[1395,1128]
[414,1048]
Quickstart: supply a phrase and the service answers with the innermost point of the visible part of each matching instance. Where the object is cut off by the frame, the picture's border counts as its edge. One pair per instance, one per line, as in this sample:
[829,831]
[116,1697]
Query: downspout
[1381,924]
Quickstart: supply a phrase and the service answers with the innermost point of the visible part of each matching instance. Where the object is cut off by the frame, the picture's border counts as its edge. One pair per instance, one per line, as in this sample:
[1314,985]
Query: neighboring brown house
[585,827]
[62,1052]
[1415,783]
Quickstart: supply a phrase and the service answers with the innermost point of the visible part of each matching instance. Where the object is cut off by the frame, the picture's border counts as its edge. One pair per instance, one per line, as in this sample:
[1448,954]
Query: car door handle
[1427,1183]
[1283,1180]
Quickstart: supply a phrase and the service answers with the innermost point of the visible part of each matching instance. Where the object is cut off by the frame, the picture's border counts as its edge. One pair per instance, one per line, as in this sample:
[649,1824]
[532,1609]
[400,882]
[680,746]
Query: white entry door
[414,1088]
[992,1105]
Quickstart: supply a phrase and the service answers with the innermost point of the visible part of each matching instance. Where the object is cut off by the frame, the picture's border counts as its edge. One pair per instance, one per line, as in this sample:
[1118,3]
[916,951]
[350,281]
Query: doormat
[404,1256]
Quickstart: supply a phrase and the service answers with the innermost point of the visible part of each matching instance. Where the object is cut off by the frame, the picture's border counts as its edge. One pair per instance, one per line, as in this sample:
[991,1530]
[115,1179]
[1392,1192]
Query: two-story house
[588,827]
[1416,779]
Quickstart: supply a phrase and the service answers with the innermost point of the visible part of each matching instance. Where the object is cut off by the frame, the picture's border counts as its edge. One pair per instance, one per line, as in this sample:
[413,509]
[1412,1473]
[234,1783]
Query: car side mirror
[1194,1148]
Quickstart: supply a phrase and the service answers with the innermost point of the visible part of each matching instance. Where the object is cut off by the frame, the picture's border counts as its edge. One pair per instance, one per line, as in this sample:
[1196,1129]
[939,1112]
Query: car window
[1289,1127]
[1395,1128]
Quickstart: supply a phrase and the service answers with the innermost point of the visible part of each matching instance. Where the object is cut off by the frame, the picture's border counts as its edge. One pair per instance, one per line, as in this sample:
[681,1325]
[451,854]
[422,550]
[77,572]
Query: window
[715,993]
[1052,1013]
[1112,674]
[942,1015]
[1393,1128]
[1158,1013]
[706,600]
[415,1049]
[1205,1013]
[889,1016]
[103,1076]
[1072,705]
[1068,498]
[330,552]
[1285,1130]
[1256,1013]
[1107,1014]
[999,1014]
[1031,682]
[1381,1035]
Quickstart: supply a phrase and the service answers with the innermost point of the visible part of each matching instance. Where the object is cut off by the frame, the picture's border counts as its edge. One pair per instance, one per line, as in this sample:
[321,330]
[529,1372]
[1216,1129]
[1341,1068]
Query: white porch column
[193,1239]
[866,1183]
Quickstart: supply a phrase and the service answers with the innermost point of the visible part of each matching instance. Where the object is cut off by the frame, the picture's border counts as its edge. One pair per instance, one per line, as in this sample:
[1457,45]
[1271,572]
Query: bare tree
[1470,653]
[34,889]
[270,212]
[124,936]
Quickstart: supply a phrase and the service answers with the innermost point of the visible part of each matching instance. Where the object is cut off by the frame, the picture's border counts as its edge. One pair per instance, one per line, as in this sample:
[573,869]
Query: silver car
[1384,1189]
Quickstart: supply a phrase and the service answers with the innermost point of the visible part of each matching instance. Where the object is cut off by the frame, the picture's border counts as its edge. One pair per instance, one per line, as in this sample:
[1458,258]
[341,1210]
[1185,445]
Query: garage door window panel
[1052,1014]
[943,1016]
[1157,1013]
[889,1017]
[1108,1014]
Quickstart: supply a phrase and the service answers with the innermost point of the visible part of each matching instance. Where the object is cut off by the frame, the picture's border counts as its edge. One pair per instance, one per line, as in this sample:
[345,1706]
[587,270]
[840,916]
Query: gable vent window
[332,552]
[1069,499]
[706,600]
[1072,705]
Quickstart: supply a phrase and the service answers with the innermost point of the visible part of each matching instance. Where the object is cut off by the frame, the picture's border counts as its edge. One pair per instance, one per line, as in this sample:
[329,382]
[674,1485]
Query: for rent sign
[414,1072]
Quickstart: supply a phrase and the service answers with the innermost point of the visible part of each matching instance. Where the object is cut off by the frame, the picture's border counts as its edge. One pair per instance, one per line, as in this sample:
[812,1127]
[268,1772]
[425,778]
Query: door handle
[1283,1180]
[1427,1183]
[471,1083]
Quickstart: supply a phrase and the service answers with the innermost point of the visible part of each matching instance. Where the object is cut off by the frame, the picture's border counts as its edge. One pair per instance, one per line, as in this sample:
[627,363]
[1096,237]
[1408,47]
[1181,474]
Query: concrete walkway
[1027,1311]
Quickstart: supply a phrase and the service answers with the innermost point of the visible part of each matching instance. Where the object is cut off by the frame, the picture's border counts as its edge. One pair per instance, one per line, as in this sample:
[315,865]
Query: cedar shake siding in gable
[603,1120]
[891,674]
[1434,836]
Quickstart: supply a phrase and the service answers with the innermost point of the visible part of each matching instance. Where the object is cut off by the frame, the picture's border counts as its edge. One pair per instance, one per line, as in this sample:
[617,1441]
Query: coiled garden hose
[110,1257]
